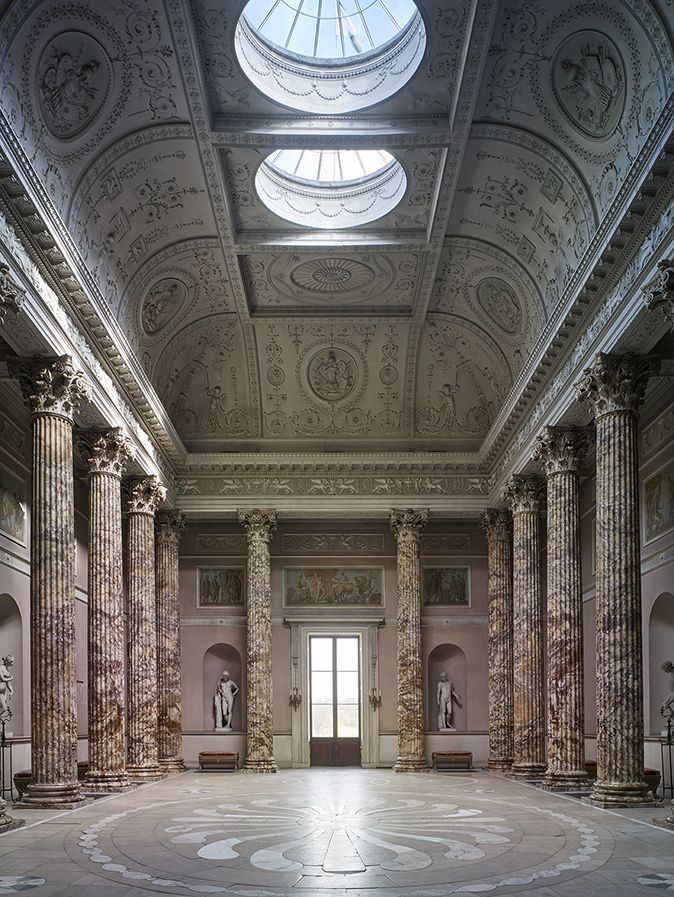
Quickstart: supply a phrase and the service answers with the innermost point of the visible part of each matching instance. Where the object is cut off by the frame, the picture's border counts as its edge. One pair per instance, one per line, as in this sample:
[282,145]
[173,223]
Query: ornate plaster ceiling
[517,134]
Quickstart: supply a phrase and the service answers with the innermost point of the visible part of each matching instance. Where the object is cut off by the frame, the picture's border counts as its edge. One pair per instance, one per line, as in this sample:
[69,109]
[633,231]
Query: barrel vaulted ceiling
[517,133]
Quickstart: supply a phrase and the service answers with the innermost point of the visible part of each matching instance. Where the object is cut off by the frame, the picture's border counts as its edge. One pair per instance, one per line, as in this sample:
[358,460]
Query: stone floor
[348,832]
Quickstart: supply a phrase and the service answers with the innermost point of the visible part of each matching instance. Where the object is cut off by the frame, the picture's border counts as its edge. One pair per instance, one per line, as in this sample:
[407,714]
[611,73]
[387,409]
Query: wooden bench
[446,760]
[218,761]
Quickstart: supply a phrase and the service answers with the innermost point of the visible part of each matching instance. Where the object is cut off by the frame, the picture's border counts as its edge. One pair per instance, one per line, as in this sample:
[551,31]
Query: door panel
[335,700]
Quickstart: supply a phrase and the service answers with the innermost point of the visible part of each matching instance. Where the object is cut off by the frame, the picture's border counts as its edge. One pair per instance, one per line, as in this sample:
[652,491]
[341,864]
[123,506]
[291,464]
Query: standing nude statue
[6,689]
[223,701]
[446,695]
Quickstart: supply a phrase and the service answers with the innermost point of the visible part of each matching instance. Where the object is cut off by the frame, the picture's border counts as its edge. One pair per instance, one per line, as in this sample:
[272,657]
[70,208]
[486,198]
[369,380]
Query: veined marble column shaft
[407,526]
[142,499]
[497,525]
[561,449]
[614,387]
[106,454]
[168,526]
[53,391]
[523,494]
[259,525]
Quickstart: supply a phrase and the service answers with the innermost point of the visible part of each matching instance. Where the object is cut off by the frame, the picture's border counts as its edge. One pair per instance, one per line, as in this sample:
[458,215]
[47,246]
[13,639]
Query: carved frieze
[221,543]
[444,543]
[333,543]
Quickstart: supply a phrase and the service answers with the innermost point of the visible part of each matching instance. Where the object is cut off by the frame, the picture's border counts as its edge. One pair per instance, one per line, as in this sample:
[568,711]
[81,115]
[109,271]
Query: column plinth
[259,526]
[614,387]
[407,526]
[52,390]
[106,454]
[562,449]
[142,498]
[168,526]
[524,495]
[497,525]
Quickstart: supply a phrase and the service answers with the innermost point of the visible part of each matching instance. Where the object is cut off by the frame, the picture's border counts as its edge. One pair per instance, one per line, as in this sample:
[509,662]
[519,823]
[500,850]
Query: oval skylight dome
[327,56]
[330,189]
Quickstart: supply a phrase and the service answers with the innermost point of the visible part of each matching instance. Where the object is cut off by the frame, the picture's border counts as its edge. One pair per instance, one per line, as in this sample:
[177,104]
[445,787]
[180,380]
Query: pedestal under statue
[446,696]
[223,702]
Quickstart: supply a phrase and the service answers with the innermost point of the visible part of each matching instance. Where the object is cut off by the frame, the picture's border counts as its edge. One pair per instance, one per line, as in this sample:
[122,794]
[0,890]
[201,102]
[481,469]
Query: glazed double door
[335,706]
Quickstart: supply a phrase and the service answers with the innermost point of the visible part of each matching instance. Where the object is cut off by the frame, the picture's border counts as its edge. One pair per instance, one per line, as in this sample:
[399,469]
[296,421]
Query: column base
[112,782]
[144,773]
[616,795]
[172,764]
[575,780]
[499,765]
[6,821]
[411,764]
[61,796]
[531,772]
[268,765]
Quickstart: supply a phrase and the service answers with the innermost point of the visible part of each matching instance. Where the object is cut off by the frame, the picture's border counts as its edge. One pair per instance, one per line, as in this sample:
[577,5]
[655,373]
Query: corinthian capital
[143,495]
[497,525]
[105,450]
[617,382]
[11,295]
[562,449]
[660,290]
[50,385]
[524,494]
[407,524]
[259,524]
[168,525]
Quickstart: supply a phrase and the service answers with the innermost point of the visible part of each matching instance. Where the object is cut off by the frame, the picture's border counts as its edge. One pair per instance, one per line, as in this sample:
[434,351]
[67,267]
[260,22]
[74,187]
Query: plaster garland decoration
[660,290]
[12,296]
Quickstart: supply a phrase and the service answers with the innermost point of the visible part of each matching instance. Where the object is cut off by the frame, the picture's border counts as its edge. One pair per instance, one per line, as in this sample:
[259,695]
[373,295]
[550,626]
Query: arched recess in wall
[450,659]
[217,659]
[11,642]
[661,648]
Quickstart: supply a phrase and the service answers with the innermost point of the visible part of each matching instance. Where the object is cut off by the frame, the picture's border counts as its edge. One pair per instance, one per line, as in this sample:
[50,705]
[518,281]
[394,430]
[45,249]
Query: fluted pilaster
[497,525]
[614,387]
[561,450]
[407,526]
[53,390]
[168,527]
[142,498]
[524,495]
[106,454]
[259,526]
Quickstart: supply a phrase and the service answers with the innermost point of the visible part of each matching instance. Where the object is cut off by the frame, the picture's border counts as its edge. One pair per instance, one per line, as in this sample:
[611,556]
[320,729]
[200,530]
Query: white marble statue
[6,689]
[223,701]
[446,696]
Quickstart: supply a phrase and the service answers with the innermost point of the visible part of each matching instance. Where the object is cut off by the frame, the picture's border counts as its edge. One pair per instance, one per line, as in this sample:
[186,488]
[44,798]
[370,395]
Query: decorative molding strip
[333,543]
[443,543]
[221,543]
[660,431]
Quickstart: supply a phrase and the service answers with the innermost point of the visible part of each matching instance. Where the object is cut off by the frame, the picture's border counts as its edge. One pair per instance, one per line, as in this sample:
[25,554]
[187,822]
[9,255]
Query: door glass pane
[321,688]
[347,721]
[322,721]
[347,688]
[321,653]
[347,653]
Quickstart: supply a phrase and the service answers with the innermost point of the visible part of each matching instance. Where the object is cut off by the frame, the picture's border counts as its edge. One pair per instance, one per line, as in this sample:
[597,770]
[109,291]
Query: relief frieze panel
[333,543]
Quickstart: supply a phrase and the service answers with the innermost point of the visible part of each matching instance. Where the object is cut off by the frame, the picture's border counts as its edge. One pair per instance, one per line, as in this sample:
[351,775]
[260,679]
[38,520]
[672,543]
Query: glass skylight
[330,166]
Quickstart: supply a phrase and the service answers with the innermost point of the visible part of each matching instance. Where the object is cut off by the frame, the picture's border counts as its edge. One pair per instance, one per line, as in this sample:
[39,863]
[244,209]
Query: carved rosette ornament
[168,527]
[561,451]
[53,390]
[660,290]
[142,499]
[12,296]
[407,526]
[497,526]
[524,495]
[106,454]
[614,387]
[259,526]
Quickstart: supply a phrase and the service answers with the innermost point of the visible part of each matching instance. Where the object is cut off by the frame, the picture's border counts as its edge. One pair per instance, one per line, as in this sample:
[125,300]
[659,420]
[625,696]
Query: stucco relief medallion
[332,374]
[331,275]
[74,76]
[500,304]
[162,303]
[588,80]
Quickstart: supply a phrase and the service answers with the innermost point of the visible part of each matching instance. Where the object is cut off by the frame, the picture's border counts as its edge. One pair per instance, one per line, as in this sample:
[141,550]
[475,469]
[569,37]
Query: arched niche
[217,659]
[11,642]
[450,659]
[661,648]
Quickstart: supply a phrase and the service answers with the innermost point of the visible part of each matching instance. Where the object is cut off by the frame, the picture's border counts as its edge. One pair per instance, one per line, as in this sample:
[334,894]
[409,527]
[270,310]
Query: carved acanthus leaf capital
[407,524]
[11,295]
[259,524]
[524,494]
[144,495]
[562,449]
[168,526]
[50,385]
[105,450]
[617,382]
[660,290]
[497,525]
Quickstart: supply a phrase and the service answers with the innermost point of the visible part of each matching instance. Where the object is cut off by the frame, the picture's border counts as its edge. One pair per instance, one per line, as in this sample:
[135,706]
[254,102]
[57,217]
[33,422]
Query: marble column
[106,454]
[142,498]
[497,525]
[168,527]
[259,525]
[614,387]
[561,450]
[524,495]
[53,390]
[407,526]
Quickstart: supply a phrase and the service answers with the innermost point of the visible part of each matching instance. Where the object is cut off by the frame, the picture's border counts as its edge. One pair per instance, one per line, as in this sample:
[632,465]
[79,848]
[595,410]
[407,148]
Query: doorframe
[368,633]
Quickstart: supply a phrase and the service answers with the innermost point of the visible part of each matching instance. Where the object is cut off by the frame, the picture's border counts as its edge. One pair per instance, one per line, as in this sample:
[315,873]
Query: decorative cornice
[168,526]
[259,524]
[524,494]
[143,495]
[105,450]
[617,383]
[50,385]
[497,525]
[11,295]
[562,449]
[660,290]
[407,524]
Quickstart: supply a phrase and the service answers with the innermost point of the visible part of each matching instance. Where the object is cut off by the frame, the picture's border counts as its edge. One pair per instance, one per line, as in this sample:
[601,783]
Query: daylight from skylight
[330,166]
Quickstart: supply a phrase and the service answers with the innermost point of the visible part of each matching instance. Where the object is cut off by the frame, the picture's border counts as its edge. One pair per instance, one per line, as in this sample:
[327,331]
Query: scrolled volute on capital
[408,523]
[105,450]
[497,525]
[562,449]
[143,495]
[259,523]
[524,493]
[616,383]
[50,385]
[168,525]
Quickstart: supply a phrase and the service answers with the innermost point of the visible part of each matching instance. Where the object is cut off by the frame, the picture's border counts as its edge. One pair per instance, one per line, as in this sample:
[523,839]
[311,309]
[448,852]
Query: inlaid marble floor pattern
[346,833]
